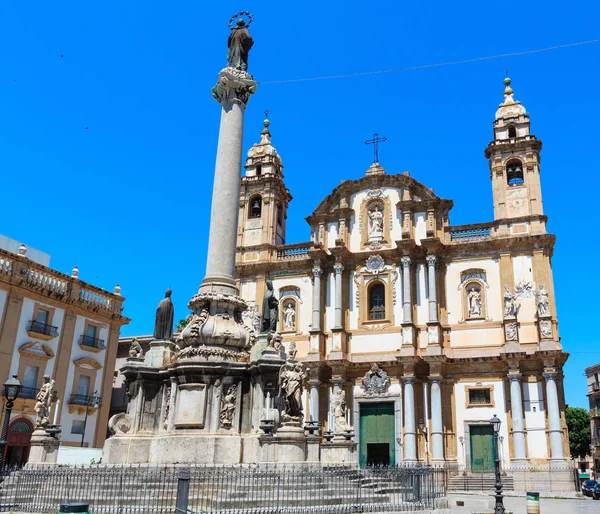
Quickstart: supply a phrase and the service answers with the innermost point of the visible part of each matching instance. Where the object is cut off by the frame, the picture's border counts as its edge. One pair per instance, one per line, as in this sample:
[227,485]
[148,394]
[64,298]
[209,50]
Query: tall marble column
[554,428]
[315,386]
[410,435]
[518,428]
[437,431]
[339,268]
[406,293]
[316,321]
[433,314]
[232,91]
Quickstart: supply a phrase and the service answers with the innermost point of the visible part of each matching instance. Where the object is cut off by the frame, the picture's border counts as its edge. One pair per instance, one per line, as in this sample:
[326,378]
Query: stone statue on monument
[541,299]
[339,410]
[270,309]
[291,378]
[43,403]
[135,350]
[510,303]
[163,322]
[239,43]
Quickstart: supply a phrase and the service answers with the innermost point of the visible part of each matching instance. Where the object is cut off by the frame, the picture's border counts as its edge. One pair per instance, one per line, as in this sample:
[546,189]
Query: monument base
[160,354]
[339,452]
[44,448]
[181,447]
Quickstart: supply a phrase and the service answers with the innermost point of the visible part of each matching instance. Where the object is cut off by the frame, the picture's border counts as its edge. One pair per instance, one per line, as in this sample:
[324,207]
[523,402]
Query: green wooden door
[482,448]
[377,434]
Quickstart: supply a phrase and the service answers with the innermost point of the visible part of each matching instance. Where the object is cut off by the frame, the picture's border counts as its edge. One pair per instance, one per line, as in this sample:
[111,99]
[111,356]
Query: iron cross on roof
[375,142]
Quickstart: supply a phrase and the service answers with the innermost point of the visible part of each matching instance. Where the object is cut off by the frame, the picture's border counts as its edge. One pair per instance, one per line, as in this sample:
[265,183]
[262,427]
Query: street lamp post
[423,430]
[88,400]
[499,508]
[12,388]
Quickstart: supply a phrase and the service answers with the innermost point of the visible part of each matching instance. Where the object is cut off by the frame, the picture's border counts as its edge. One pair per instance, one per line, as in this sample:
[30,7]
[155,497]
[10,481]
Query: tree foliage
[580,439]
[181,324]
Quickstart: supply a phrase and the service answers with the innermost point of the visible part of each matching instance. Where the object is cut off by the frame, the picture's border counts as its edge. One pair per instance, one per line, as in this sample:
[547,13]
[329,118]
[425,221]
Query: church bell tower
[514,160]
[264,198]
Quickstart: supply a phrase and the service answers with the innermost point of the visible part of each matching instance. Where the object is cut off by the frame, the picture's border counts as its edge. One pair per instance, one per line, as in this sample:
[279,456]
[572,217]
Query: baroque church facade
[429,329]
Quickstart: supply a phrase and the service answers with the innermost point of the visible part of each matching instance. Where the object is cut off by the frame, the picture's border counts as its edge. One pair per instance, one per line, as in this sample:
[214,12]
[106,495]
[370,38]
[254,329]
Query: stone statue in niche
[541,299]
[375,221]
[339,410]
[510,303]
[270,310]
[135,350]
[474,302]
[291,378]
[289,317]
[43,403]
[163,321]
[228,406]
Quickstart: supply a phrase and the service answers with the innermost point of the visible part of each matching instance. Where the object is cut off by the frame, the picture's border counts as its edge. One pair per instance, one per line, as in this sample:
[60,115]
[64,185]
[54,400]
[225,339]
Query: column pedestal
[44,447]
[160,354]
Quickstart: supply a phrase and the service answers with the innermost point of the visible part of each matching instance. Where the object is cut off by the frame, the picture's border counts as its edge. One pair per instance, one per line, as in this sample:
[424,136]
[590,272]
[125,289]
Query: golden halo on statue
[239,15]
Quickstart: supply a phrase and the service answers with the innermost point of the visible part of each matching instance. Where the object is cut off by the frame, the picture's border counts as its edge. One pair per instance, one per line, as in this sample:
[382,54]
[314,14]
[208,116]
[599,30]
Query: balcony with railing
[91,343]
[85,400]
[28,393]
[41,330]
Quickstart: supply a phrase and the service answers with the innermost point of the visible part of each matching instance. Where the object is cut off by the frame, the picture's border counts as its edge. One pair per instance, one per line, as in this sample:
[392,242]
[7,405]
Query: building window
[512,131]
[77,427]
[42,316]
[92,331]
[255,207]
[258,170]
[279,215]
[377,301]
[30,379]
[83,386]
[480,397]
[514,173]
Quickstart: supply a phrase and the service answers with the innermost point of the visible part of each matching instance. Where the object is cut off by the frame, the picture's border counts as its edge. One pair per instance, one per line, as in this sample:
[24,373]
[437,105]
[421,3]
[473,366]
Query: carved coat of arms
[376,381]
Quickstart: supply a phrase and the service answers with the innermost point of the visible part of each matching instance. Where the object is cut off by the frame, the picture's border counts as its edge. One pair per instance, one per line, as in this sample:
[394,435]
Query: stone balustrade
[469,233]
[293,251]
[23,272]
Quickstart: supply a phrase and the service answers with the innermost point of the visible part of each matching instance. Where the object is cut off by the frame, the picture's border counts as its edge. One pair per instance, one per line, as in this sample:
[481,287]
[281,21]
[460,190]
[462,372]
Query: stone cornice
[510,145]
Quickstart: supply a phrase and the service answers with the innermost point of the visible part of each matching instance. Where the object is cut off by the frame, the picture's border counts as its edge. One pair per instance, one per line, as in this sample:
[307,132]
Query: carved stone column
[555,432]
[433,314]
[406,290]
[518,429]
[315,386]
[339,269]
[316,320]
[410,434]
[437,431]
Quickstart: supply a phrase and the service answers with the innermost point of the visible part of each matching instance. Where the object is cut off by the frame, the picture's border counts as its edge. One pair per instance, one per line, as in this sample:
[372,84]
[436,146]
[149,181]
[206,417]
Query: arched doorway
[18,442]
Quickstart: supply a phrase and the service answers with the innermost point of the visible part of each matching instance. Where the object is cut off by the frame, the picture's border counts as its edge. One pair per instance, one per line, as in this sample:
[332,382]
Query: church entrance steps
[478,482]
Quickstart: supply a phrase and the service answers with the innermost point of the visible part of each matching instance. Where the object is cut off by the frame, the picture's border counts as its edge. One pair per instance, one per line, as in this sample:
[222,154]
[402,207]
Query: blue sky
[127,199]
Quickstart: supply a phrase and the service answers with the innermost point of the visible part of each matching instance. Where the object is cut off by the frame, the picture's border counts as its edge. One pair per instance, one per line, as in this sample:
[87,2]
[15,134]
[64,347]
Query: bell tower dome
[264,198]
[514,160]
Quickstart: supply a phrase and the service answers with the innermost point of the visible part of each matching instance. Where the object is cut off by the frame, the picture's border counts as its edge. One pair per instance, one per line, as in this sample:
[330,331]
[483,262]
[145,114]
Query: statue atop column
[239,42]
[270,309]
[43,403]
[163,321]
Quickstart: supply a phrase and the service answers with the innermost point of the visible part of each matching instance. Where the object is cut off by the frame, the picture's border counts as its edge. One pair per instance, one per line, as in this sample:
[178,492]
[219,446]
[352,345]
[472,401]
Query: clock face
[259,149]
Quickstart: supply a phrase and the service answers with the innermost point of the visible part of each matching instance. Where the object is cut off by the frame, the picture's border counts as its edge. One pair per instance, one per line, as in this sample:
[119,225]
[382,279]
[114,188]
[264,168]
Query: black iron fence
[42,328]
[92,342]
[213,489]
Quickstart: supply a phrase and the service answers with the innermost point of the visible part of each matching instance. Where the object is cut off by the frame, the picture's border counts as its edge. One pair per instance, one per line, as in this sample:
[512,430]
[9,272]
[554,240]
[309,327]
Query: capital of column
[313,383]
[550,375]
[405,262]
[317,271]
[337,381]
[338,267]
[234,86]
[514,376]
[431,260]
[435,379]
[408,379]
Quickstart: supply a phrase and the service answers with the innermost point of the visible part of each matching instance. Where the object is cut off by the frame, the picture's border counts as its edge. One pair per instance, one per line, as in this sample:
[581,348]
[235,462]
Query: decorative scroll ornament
[375,193]
[375,264]
[376,381]
[546,329]
[120,424]
[524,289]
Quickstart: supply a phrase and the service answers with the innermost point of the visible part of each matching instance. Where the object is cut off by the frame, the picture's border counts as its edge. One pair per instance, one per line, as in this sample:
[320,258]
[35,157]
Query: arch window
[512,131]
[514,173]
[377,301]
[255,206]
